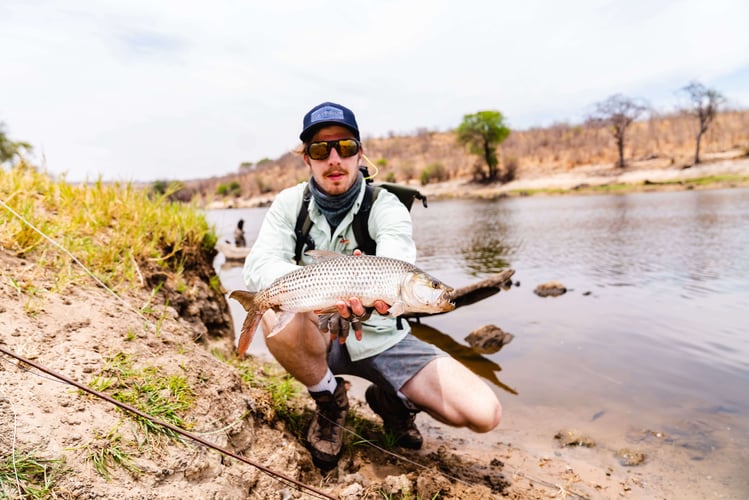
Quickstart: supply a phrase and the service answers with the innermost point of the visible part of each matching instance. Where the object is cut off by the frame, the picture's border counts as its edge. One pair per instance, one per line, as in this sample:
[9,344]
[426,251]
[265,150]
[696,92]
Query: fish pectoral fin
[397,309]
[321,255]
[282,320]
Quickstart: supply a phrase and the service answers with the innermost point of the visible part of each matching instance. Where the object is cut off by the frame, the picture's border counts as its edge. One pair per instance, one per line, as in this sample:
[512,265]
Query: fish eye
[436,283]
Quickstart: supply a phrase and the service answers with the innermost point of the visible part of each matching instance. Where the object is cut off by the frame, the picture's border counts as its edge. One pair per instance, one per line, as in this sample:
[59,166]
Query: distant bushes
[434,172]
[231,189]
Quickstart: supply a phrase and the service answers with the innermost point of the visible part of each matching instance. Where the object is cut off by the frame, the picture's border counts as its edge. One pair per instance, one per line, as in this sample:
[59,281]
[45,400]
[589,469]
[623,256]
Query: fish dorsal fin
[321,255]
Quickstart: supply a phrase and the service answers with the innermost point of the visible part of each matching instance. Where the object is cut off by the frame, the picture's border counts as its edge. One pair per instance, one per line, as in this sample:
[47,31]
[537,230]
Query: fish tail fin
[247,299]
[251,322]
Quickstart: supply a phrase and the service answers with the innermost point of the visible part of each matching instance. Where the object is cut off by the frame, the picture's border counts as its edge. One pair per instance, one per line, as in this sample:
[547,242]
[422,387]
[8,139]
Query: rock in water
[550,289]
[488,339]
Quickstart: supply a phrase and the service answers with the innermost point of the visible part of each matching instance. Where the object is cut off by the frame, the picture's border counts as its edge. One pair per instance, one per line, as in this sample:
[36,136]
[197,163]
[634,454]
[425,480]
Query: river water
[651,339]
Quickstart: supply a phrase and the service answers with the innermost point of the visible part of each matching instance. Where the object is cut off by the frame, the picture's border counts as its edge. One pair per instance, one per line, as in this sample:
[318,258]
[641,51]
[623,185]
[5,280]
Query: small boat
[231,252]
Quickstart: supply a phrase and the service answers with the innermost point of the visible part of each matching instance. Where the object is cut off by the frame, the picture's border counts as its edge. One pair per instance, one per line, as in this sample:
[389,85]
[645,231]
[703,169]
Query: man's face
[334,175]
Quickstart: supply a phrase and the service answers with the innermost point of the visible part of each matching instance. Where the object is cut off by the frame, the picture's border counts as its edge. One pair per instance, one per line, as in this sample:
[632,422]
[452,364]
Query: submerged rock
[630,457]
[488,339]
[573,438]
[550,289]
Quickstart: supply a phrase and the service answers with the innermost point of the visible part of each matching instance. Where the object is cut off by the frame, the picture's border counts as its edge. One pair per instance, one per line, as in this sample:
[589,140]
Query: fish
[335,277]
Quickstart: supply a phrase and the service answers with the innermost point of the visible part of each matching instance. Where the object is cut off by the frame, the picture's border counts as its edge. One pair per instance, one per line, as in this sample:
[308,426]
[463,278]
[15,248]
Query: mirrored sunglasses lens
[318,150]
[347,147]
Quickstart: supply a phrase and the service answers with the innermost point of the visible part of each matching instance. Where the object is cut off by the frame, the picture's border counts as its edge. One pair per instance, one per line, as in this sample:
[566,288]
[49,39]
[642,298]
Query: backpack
[367,245]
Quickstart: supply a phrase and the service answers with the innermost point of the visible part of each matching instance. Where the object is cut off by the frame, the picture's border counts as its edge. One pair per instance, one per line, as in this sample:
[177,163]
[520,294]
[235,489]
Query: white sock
[328,383]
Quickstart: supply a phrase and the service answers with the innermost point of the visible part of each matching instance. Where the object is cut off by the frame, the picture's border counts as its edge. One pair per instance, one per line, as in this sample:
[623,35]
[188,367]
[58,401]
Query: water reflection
[471,359]
[485,254]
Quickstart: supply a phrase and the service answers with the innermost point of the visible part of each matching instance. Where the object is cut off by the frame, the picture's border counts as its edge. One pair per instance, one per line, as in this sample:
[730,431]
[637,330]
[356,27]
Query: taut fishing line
[276,475]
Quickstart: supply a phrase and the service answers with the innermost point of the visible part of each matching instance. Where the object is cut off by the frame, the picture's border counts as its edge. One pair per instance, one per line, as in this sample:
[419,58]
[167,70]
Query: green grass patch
[28,476]
[162,396]
[115,229]
[107,451]
[285,395]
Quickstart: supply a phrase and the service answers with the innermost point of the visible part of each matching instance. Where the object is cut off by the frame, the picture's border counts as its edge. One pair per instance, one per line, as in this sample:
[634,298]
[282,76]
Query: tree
[618,112]
[10,149]
[483,132]
[705,103]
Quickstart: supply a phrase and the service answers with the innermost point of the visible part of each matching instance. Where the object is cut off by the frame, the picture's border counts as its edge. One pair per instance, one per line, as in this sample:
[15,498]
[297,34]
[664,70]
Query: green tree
[483,132]
[704,106]
[10,149]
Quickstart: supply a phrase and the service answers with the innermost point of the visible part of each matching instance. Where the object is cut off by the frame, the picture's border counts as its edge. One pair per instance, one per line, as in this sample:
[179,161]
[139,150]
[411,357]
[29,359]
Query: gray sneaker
[325,435]
[396,418]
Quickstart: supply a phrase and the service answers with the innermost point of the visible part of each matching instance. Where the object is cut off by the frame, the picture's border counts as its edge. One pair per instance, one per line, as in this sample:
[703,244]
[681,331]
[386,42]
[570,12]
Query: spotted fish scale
[321,285]
[318,287]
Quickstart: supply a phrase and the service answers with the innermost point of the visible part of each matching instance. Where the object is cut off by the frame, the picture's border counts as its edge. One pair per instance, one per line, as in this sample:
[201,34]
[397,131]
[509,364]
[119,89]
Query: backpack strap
[360,224]
[303,225]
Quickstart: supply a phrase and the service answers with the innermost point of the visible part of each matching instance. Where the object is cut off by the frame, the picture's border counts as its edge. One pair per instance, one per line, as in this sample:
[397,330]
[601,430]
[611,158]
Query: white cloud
[146,90]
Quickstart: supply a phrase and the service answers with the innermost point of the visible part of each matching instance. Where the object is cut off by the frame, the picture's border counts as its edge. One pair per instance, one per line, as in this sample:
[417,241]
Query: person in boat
[239,239]
[407,374]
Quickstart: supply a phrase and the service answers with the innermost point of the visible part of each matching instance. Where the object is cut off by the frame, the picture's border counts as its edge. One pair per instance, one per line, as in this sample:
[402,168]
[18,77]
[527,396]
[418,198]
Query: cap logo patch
[326,113]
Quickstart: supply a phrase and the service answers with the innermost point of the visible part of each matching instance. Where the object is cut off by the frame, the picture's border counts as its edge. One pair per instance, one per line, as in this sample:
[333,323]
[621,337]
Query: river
[651,339]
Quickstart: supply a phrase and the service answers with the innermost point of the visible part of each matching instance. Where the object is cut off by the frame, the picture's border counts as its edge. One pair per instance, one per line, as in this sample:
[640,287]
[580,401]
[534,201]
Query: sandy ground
[644,175]
[79,331]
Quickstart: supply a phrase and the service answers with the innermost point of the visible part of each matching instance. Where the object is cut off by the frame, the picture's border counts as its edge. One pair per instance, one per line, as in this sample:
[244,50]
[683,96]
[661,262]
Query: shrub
[434,172]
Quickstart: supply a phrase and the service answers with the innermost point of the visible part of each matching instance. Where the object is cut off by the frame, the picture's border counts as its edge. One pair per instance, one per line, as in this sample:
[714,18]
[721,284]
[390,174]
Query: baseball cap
[328,113]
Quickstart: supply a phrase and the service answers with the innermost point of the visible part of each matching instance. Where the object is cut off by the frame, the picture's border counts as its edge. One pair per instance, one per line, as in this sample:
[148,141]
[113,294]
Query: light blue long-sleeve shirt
[272,254]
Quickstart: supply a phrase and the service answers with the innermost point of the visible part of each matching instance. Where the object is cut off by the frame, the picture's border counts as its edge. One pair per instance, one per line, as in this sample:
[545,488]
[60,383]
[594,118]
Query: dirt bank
[87,335]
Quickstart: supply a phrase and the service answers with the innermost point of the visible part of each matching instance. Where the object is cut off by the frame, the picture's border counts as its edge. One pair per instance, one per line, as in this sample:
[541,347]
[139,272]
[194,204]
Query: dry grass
[664,140]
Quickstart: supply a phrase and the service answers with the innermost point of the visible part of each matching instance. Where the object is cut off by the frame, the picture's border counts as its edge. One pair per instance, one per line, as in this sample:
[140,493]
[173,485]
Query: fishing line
[124,406]
[543,482]
[278,476]
[75,259]
[195,437]
[388,452]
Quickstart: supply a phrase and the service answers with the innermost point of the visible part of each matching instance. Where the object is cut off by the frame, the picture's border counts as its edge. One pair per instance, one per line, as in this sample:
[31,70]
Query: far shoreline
[728,170]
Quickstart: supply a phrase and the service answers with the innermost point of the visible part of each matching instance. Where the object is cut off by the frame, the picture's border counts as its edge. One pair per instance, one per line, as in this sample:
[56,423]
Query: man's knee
[487,418]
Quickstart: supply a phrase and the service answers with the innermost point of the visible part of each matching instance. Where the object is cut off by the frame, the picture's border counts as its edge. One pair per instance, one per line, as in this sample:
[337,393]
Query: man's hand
[349,315]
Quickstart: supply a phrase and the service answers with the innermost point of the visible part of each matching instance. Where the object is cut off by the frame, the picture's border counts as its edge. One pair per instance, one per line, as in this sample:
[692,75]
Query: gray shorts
[393,367]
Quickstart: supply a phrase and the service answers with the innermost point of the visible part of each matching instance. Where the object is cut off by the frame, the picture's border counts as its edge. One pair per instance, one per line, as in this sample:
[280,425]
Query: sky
[148,90]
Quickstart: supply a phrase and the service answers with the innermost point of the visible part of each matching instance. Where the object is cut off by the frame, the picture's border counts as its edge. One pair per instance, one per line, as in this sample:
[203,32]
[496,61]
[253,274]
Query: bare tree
[618,112]
[704,106]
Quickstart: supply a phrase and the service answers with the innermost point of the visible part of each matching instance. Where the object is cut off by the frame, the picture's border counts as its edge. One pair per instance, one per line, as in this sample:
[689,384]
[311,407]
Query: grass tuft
[164,397]
[28,476]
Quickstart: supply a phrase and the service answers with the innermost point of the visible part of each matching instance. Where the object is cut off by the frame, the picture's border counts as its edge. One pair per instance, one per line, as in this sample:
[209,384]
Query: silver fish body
[318,287]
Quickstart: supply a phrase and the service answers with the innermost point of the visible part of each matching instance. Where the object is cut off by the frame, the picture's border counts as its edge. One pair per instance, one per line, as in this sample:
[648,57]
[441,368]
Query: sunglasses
[321,150]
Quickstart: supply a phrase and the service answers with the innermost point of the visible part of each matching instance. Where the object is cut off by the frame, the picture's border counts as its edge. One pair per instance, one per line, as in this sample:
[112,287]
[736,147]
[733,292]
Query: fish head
[424,293]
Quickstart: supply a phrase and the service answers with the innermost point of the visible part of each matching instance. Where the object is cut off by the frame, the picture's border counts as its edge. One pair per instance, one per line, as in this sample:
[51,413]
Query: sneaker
[325,435]
[396,418]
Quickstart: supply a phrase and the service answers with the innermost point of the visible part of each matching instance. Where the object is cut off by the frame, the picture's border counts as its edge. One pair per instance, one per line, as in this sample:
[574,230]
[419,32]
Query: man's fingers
[357,308]
[381,307]
[343,309]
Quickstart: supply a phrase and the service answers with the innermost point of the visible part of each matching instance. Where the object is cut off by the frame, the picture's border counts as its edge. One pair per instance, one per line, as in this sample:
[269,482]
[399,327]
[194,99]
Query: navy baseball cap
[328,113]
